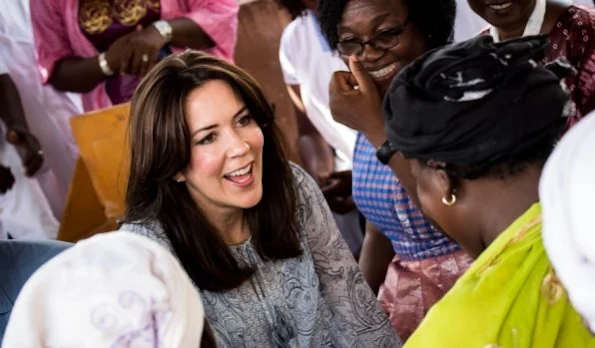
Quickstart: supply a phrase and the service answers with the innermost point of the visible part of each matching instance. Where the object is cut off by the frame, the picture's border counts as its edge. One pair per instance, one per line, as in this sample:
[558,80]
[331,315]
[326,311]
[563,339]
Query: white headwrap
[567,193]
[113,290]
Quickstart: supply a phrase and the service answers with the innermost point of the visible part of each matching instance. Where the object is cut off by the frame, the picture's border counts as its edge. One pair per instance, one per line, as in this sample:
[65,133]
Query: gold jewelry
[451,202]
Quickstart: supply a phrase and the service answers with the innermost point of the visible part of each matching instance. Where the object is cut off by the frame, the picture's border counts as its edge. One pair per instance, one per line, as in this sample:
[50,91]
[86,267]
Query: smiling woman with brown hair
[210,181]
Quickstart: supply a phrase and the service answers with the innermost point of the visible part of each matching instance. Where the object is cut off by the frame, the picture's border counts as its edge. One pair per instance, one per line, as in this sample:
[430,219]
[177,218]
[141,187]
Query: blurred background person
[46,110]
[24,210]
[101,48]
[325,146]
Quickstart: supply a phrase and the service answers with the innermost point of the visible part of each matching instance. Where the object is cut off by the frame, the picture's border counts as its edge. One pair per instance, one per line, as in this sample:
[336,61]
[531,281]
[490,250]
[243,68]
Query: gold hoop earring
[451,202]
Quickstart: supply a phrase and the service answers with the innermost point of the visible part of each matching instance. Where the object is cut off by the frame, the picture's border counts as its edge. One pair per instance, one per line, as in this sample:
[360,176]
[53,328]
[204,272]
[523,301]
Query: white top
[47,111]
[307,60]
[24,210]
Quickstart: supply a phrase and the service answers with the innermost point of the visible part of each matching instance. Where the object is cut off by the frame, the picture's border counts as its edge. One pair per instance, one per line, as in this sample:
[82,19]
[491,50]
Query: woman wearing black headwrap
[477,121]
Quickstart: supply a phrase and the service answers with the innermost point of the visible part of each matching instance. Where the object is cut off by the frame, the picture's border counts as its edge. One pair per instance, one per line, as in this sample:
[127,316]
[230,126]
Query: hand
[6,179]
[338,192]
[31,153]
[355,101]
[320,174]
[118,52]
[142,51]
[341,205]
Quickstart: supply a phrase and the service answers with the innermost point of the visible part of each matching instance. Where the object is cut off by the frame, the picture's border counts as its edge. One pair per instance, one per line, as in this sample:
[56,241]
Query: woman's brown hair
[160,148]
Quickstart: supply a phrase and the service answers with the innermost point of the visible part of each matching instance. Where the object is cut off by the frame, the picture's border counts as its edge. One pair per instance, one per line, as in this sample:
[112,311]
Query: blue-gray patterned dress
[319,299]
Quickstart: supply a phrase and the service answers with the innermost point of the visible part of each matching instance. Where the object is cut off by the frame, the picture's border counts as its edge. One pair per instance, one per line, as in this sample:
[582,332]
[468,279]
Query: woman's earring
[449,202]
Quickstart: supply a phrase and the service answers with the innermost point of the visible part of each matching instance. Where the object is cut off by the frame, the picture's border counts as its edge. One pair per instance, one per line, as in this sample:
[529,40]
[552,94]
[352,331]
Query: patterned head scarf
[567,194]
[112,290]
[477,102]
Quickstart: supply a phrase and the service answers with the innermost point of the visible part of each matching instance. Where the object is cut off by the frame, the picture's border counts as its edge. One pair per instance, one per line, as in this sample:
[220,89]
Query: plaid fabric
[384,202]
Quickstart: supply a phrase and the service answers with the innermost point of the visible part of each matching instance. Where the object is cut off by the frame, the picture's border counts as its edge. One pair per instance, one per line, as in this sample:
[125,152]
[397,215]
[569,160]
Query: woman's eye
[245,120]
[206,140]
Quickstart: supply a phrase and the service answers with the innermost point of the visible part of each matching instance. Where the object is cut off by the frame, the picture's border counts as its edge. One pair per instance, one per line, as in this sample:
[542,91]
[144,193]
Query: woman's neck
[230,223]
[553,10]
[503,202]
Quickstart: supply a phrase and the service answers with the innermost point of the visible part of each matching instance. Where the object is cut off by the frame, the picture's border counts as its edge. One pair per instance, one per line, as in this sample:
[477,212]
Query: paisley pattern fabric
[319,299]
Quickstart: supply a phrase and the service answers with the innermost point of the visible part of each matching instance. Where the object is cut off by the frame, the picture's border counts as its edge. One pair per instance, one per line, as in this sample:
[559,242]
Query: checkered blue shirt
[384,202]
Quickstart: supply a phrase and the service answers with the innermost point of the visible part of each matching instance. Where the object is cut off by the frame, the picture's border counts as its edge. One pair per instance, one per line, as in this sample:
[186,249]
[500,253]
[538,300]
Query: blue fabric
[383,201]
[19,260]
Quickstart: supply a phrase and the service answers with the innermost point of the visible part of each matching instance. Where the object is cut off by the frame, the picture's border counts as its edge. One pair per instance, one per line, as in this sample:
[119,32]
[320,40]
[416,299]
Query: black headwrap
[476,102]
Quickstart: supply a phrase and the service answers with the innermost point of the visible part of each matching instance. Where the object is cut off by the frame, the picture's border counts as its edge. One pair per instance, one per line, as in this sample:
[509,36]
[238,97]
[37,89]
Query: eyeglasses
[382,41]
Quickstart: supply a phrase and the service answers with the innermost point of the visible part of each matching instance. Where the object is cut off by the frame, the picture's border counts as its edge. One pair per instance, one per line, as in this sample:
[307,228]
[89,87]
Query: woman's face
[225,169]
[507,15]
[363,20]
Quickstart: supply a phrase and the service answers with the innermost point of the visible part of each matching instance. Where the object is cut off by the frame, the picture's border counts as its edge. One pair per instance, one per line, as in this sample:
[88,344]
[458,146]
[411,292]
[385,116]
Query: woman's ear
[180,177]
[446,184]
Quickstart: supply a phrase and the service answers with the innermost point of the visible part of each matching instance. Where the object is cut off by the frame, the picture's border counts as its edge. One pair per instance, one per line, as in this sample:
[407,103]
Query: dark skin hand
[6,179]
[349,103]
[316,154]
[125,55]
[377,253]
[18,132]
[318,159]
[337,192]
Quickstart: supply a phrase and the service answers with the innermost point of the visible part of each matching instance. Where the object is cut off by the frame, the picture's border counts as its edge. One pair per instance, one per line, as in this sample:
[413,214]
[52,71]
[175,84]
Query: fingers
[343,82]
[33,163]
[6,179]
[363,79]
[13,137]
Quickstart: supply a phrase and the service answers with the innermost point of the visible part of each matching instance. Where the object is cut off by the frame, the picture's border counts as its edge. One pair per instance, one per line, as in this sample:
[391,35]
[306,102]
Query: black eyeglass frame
[395,32]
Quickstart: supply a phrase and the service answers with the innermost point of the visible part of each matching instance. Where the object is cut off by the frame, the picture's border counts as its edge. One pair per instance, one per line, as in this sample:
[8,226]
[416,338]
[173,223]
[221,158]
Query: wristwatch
[165,29]
[385,152]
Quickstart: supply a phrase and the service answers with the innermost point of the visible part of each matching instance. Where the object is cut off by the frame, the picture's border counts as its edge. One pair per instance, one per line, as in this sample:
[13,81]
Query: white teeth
[383,72]
[501,6]
[242,171]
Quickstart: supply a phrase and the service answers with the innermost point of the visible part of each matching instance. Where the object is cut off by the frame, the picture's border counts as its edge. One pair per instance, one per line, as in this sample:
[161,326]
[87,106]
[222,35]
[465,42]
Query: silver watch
[165,29]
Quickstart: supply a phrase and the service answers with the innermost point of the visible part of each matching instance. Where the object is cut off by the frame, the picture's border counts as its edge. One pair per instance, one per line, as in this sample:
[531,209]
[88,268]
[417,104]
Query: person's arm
[316,154]
[356,312]
[377,253]
[57,62]
[17,129]
[212,25]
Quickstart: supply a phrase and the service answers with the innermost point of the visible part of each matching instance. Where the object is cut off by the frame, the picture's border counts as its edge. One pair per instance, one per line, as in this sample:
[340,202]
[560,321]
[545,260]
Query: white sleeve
[287,55]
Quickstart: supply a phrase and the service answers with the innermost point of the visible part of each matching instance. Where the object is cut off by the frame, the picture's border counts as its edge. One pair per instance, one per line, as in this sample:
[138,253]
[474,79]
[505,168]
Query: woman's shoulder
[151,229]
[577,23]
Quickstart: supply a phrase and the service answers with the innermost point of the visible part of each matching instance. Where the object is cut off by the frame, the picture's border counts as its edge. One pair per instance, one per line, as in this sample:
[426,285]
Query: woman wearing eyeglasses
[404,258]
